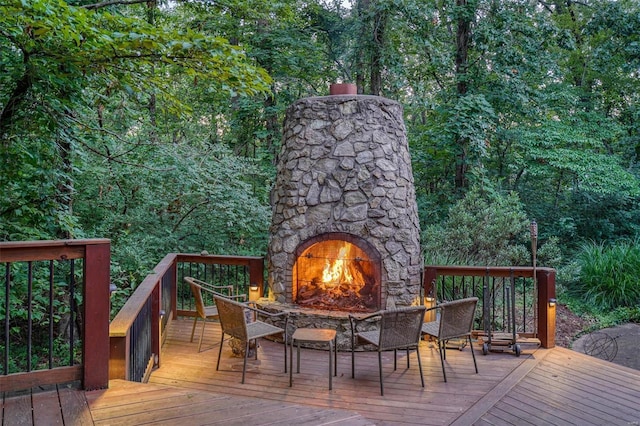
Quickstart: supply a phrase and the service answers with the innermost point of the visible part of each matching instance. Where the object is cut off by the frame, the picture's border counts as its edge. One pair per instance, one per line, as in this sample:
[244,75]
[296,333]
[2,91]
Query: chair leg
[246,355]
[220,351]
[420,364]
[353,361]
[395,360]
[441,349]
[193,329]
[204,321]
[380,368]
[285,351]
[473,354]
[408,352]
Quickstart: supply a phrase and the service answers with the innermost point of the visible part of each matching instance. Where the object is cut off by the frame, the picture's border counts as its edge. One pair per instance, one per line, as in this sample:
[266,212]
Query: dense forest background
[157,124]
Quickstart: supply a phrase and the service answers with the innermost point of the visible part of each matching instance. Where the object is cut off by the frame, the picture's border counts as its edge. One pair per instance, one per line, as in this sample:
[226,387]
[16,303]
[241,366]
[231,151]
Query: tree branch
[15,99]
[191,210]
[111,3]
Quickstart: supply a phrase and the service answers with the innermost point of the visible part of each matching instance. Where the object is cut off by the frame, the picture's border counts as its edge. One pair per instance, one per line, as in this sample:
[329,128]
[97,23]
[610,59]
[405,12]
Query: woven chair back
[456,318]
[197,297]
[400,328]
[232,318]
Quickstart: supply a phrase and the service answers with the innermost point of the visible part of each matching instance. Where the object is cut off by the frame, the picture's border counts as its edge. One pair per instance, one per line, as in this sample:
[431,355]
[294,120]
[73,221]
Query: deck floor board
[541,387]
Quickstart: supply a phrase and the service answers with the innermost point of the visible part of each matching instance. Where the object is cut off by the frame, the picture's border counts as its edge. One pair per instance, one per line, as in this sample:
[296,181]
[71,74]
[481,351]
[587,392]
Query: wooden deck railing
[137,331]
[532,312]
[43,282]
[130,346]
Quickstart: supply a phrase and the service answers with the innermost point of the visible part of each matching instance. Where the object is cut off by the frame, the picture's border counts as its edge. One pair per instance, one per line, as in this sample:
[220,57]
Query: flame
[337,272]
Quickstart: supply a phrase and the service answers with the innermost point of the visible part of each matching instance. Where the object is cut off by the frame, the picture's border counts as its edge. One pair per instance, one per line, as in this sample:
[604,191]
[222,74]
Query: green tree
[61,61]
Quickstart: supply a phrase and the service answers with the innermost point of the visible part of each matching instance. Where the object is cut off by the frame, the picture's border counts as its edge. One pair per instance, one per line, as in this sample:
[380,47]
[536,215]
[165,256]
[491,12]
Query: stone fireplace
[345,235]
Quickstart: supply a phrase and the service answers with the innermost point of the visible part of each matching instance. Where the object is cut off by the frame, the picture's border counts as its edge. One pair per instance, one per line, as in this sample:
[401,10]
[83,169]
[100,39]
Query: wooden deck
[542,387]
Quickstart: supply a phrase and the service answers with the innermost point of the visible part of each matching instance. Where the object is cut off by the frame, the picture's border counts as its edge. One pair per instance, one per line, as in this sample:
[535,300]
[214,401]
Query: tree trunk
[463,37]
[153,114]
[13,104]
[379,25]
[362,8]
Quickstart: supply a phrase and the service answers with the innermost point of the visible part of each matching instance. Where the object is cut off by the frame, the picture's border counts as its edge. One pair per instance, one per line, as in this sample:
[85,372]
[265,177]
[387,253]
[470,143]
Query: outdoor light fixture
[552,303]
[254,292]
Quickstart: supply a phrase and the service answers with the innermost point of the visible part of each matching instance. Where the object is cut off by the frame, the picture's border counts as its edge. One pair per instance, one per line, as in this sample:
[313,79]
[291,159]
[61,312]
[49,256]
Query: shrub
[609,275]
[486,227]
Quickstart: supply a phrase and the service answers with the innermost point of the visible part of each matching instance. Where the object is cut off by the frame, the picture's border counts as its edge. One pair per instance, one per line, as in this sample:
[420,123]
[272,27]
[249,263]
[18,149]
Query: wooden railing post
[119,359]
[96,316]
[429,282]
[546,311]
[256,277]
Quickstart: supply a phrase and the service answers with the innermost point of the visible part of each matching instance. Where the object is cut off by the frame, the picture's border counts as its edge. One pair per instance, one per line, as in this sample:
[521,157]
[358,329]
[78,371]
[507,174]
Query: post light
[430,302]
[253,292]
[552,302]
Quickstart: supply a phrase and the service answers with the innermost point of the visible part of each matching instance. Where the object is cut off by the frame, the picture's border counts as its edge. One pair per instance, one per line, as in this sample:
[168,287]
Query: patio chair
[234,323]
[454,321]
[203,311]
[394,329]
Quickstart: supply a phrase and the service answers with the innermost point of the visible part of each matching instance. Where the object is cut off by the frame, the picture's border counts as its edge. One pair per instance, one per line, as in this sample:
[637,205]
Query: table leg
[335,356]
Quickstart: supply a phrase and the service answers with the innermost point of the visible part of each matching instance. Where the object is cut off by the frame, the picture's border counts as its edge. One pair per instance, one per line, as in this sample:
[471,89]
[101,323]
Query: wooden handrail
[25,251]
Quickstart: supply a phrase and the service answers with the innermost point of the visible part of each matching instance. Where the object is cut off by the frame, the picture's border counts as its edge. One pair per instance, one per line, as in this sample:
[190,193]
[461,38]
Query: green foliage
[149,125]
[484,228]
[472,119]
[608,276]
[550,253]
[599,318]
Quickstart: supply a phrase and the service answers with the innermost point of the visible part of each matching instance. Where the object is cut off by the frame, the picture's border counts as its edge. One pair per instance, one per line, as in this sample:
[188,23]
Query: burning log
[337,278]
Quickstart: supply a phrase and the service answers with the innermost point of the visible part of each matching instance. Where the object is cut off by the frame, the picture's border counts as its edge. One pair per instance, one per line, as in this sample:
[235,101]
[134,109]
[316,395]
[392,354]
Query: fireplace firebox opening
[339,272]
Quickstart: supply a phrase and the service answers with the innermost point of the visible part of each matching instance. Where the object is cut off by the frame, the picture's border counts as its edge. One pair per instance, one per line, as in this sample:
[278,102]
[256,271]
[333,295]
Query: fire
[337,272]
[336,275]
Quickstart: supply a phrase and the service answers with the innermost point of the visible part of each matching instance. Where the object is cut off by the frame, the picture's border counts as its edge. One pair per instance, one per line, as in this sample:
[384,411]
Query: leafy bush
[486,227]
[608,276]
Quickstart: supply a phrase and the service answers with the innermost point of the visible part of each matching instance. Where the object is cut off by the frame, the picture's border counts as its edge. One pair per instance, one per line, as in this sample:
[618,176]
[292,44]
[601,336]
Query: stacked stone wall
[345,166]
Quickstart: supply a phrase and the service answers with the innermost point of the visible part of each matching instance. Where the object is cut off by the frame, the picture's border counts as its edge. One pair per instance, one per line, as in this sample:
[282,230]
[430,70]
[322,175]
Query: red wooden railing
[130,346]
[544,299]
[95,253]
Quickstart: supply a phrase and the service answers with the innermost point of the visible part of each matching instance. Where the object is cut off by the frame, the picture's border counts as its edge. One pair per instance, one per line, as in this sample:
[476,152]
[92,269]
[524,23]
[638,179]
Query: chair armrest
[242,296]
[364,318]
[355,320]
[214,288]
[252,306]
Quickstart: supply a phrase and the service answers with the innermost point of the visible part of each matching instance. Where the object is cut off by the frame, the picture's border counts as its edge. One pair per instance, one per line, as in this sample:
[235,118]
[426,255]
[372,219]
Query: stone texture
[345,166]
